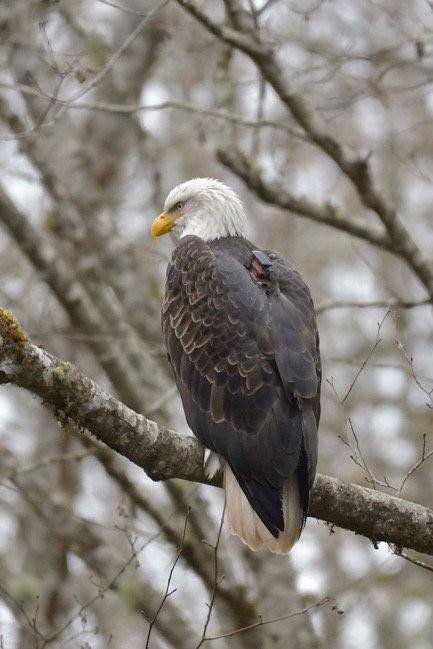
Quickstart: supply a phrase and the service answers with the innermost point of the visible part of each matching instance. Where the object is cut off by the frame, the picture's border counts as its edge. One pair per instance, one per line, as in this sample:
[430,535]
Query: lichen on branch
[10,329]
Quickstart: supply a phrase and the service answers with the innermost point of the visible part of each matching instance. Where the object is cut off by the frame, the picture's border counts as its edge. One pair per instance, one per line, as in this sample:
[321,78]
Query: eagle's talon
[211,463]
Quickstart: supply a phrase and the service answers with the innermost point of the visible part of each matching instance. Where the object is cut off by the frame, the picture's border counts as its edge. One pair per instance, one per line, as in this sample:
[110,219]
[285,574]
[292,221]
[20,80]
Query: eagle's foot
[212,463]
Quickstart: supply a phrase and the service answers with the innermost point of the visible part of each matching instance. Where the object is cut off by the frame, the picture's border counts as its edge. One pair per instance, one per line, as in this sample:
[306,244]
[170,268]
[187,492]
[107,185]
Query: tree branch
[171,104]
[276,195]
[165,454]
[356,169]
[371,304]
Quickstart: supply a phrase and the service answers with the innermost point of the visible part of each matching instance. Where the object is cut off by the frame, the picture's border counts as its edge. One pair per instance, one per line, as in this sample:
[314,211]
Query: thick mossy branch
[10,329]
[165,454]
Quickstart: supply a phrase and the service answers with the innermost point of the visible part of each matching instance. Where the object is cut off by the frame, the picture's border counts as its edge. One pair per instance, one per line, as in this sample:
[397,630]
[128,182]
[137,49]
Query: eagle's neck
[215,220]
[208,229]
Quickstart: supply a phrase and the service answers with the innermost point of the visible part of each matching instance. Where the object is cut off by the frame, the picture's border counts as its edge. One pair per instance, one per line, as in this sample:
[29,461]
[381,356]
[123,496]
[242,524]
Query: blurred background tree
[104,107]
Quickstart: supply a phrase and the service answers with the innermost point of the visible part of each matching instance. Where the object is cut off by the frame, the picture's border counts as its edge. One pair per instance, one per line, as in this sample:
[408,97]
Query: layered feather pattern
[246,362]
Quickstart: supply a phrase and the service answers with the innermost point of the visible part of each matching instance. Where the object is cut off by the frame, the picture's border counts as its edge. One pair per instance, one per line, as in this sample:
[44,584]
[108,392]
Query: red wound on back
[260,267]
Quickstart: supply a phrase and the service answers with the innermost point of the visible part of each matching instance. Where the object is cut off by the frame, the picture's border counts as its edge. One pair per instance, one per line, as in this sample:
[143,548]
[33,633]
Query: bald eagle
[242,340]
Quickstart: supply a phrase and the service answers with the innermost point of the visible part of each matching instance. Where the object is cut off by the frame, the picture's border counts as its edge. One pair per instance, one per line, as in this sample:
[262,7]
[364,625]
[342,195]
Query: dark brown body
[245,356]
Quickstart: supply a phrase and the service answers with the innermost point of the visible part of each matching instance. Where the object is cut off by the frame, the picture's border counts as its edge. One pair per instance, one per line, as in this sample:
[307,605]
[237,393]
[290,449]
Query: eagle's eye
[179,206]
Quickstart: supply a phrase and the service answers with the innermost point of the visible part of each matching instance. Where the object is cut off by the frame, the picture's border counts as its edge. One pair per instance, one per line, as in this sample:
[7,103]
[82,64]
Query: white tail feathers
[244,522]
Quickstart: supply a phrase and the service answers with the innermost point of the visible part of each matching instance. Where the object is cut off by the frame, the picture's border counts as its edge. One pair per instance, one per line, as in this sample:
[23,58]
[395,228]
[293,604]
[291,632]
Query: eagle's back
[246,362]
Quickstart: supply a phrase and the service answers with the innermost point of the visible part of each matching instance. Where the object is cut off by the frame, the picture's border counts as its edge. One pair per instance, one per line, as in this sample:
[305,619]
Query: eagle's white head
[204,207]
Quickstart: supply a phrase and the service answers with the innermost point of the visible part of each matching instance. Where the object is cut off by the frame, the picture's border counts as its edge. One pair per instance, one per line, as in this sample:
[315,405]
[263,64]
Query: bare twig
[361,463]
[364,464]
[273,620]
[369,355]
[425,455]
[31,622]
[357,455]
[349,304]
[267,5]
[215,547]
[410,361]
[421,564]
[126,10]
[255,148]
[172,104]
[167,592]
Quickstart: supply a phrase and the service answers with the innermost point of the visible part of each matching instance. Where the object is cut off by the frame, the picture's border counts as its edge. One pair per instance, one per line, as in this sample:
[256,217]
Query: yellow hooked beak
[163,224]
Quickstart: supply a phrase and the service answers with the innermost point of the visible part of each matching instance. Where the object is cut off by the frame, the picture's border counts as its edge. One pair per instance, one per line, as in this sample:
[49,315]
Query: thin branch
[425,455]
[364,464]
[173,104]
[255,148]
[167,592]
[369,355]
[357,453]
[215,547]
[31,622]
[164,454]
[273,620]
[266,6]
[416,562]
[349,304]
[231,36]
[126,10]
[410,361]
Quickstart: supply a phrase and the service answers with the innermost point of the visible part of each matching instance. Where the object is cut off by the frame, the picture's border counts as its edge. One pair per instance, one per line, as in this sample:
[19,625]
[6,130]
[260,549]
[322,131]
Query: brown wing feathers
[244,362]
